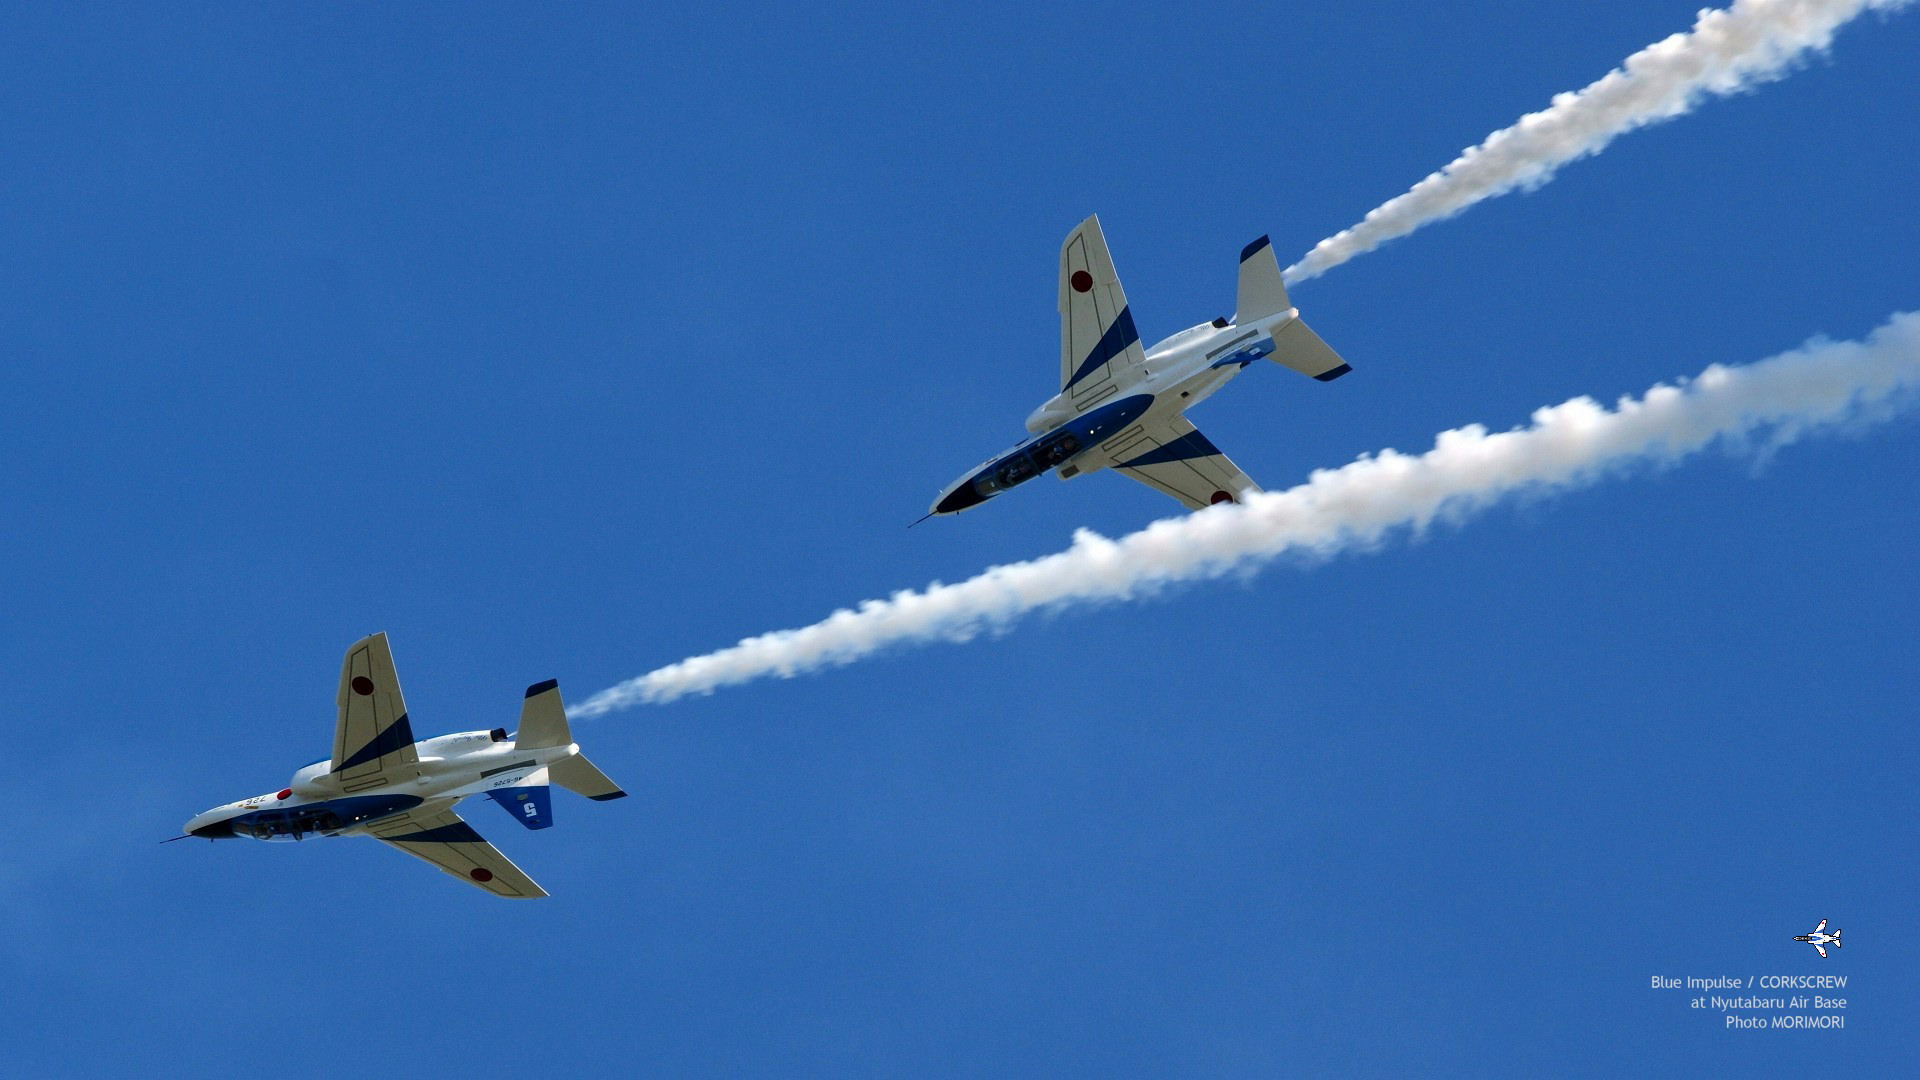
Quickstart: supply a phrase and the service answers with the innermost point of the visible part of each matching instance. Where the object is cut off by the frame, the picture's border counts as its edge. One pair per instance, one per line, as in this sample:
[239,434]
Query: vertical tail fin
[543,720]
[1262,292]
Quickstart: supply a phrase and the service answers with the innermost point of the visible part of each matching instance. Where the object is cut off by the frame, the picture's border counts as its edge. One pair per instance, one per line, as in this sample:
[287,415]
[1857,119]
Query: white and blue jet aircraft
[1119,406]
[1820,939]
[381,783]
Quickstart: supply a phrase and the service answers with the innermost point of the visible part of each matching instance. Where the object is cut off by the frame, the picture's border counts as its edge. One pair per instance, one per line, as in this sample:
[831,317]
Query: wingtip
[542,687]
[1254,248]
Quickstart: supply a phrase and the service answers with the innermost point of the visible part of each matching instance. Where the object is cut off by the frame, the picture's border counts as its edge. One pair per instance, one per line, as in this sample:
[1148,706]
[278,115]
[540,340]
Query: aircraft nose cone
[959,499]
[212,830]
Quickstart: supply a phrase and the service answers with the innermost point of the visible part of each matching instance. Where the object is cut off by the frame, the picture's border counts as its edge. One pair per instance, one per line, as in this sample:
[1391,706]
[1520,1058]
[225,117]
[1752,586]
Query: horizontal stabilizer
[579,776]
[1298,347]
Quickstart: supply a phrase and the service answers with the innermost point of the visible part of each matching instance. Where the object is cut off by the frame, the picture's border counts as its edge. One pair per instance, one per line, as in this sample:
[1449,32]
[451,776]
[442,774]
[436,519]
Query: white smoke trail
[1777,400]
[1727,51]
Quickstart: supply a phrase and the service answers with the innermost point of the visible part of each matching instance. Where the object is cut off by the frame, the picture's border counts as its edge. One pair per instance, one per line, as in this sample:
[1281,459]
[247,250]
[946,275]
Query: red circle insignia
[1220,497]
[1081,281]
[361,685]
[480,873]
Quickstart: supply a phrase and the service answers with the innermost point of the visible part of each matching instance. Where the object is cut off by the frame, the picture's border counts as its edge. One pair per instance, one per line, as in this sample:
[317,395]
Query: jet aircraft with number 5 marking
[1120,406]
[382,783]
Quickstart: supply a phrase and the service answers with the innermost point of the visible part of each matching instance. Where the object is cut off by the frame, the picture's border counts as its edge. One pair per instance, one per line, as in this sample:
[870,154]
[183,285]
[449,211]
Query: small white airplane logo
[1820,939]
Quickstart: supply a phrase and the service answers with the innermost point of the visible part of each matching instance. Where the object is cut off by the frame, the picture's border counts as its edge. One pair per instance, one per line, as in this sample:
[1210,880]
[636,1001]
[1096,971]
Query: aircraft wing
[372,741]
[1821,949]
[443,838]
[1176,459]
[1096,327]
[1821,927]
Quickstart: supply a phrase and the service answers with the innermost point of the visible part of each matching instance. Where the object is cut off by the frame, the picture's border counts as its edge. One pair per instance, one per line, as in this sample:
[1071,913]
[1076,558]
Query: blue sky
[569,342]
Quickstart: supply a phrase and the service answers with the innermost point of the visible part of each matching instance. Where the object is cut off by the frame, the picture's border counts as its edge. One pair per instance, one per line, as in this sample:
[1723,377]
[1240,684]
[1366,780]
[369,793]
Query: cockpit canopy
[1018,468]
[294,824]
[319,819]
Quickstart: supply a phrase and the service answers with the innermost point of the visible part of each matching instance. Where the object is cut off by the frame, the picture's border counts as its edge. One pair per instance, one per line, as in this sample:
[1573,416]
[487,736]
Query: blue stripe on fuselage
[1088,428]
[347,811]
[1243,357]
[1101,423]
